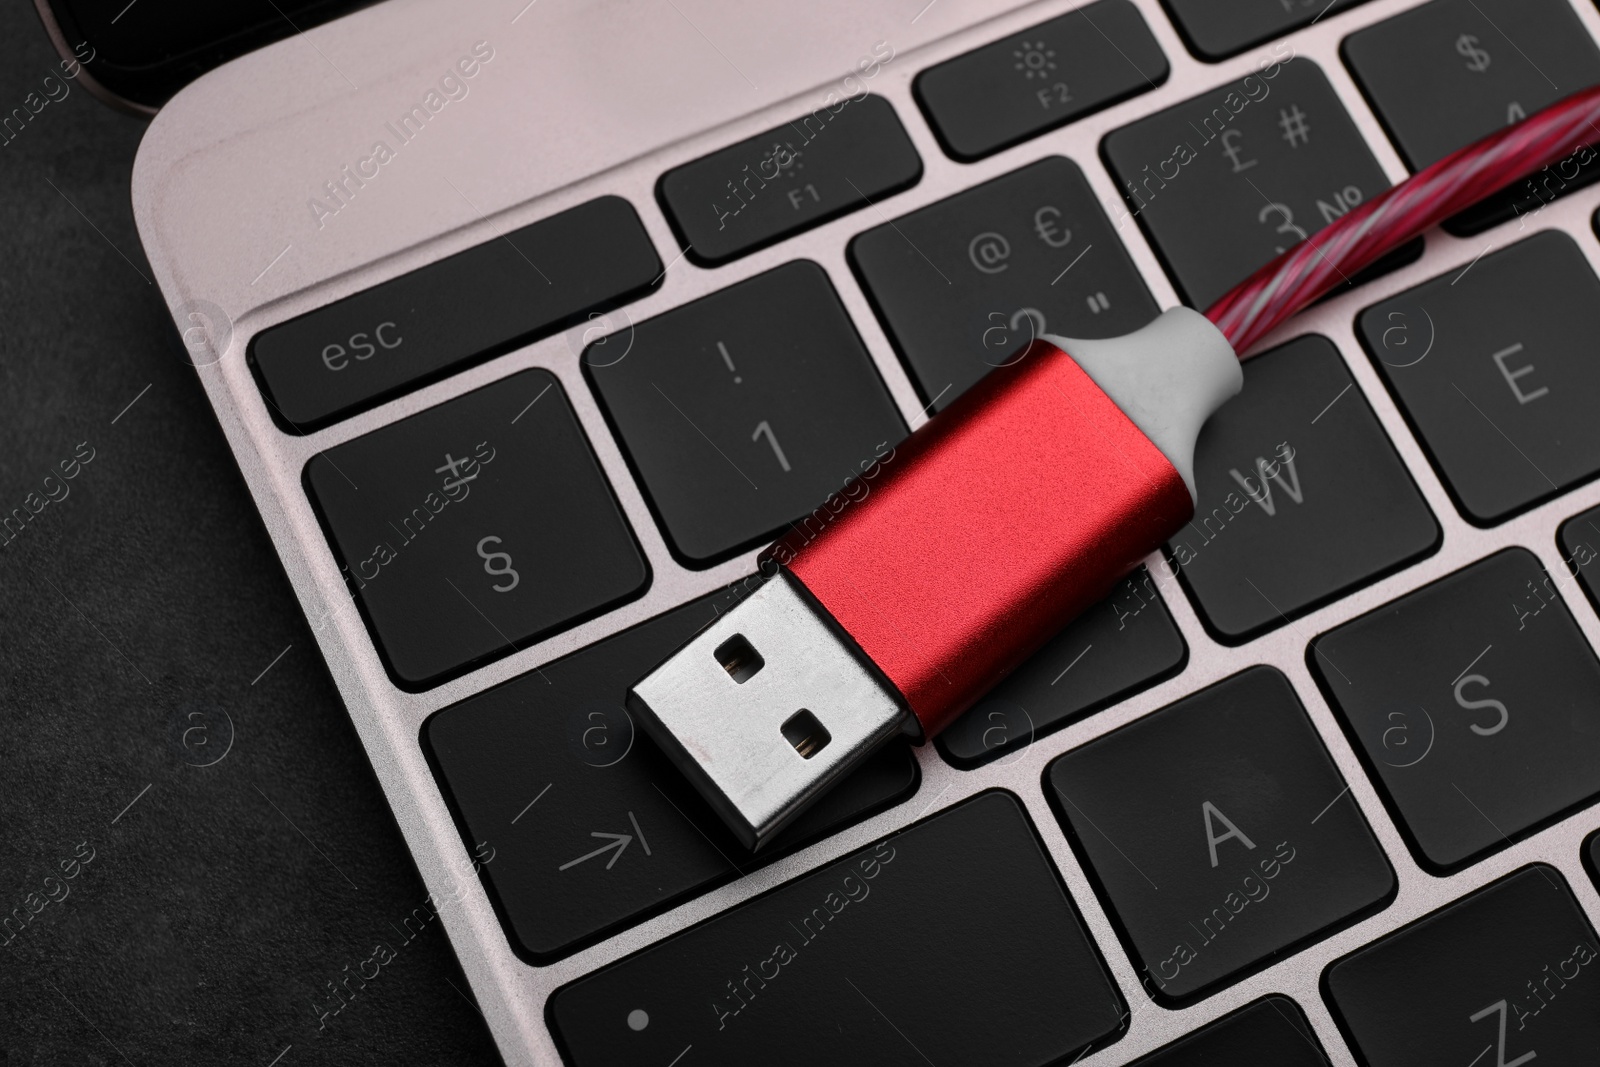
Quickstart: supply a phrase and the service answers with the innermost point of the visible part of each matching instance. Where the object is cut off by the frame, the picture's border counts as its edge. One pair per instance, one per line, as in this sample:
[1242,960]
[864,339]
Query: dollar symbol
[1477,58]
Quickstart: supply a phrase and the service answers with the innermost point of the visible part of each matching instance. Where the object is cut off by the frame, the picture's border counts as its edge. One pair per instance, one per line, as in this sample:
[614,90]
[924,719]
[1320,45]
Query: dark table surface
[144,625]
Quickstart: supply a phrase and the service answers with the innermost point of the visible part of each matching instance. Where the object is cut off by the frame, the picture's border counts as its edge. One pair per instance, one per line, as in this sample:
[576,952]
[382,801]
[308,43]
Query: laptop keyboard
[1226,181]
[1493,366]
[1221,867]
[449,535]
[1044,77]
[1218,30]
[815,971]
[1504,976]
[964,285]
[592,828]
[1268,797]
[836,159]
[1126,643]
[1449,72]
[745,410]
[1272,1030]
[348,356]
[1580,551]
[1295,468]
[1471,701]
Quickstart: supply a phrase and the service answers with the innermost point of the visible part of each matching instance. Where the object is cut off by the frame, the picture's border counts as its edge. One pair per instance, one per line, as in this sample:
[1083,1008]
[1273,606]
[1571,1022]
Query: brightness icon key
[1045,76]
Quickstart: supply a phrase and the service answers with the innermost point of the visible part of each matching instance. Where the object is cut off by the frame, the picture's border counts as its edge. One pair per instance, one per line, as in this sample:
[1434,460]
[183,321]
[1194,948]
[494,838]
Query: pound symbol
[1231,149]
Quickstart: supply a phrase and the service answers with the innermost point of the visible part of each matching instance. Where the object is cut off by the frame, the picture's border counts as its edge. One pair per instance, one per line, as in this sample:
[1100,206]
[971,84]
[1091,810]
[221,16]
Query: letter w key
[1270,471]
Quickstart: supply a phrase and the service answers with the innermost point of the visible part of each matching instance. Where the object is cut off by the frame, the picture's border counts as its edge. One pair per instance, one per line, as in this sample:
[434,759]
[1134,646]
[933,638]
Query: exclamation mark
[729,361]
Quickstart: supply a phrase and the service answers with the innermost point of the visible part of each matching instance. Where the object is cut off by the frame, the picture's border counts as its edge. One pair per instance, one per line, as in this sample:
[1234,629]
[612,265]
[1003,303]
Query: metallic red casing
[1012,511]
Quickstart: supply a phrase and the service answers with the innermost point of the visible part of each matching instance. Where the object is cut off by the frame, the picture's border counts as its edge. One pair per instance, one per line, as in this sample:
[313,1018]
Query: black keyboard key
[1225,181]
[1500,979]
[822,165]
[350,355]
[444,527]
[953,939]
[1475,701]
[1126,643]
[1295,468]
[1442,75]
[549,769]
[1044,77]
[1272,1031]
[965,284]
[1220,834]
[1217,29]
[1494,367]
[746,409]
[1580,543]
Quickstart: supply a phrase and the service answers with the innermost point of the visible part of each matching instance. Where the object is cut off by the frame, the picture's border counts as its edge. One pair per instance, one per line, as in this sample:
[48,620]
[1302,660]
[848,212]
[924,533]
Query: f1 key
[801,174]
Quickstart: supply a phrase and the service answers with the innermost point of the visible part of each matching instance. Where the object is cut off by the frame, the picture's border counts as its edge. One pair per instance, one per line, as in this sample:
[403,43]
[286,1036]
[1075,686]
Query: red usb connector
[1017,508]
[1005,516]
[1011,512]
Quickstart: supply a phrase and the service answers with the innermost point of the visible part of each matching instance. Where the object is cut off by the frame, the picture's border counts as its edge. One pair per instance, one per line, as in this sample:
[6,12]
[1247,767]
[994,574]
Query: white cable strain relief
[1168,378]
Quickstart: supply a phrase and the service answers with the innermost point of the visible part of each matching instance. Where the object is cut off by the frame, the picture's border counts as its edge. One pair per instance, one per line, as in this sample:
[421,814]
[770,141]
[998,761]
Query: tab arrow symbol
[618,844]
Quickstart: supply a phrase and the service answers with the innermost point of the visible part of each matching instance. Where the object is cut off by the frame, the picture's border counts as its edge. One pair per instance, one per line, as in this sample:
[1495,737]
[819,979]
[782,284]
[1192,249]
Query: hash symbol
[1295,128]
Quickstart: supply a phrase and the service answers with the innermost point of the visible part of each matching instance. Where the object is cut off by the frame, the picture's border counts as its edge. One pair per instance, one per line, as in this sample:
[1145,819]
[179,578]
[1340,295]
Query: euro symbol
[1044,224]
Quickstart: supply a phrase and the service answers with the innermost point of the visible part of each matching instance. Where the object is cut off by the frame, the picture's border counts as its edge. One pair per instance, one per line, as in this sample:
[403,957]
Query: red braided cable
[1310,269]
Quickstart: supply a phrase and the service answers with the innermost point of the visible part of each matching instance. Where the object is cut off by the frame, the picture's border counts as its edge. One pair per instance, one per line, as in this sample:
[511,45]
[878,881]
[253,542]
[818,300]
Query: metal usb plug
[765,709]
